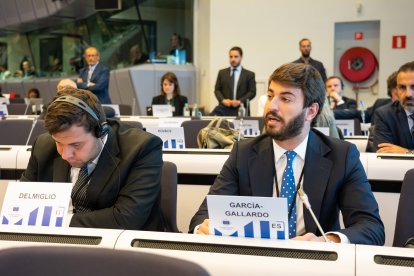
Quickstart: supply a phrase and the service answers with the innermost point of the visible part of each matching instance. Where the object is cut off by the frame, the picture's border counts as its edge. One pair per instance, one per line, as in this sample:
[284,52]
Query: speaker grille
[394,260]
[237,250]
[63,239]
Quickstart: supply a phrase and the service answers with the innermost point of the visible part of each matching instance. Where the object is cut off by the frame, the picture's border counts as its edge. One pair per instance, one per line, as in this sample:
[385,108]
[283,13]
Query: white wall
[269,31]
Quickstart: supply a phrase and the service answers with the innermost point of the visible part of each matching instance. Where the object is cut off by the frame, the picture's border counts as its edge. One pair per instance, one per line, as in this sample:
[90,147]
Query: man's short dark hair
[304,39]
[336,77]
[238,49]
[407,67]
[61,116]
[305,77]
[391,83]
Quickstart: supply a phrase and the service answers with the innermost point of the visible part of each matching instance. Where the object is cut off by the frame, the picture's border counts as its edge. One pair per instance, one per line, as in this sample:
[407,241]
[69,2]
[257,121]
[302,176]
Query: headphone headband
[79,103]
[102,128]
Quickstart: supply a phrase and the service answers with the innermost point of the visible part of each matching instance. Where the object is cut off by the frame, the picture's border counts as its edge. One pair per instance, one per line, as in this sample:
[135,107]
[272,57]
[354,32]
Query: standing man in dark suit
[333,176]
[394,123]
[234,85]
[95,77]
[305,47]
[115,169]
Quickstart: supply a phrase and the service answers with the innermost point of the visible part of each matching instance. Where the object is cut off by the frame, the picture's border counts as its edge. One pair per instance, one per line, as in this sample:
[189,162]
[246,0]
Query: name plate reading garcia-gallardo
[246,216]
[36,204]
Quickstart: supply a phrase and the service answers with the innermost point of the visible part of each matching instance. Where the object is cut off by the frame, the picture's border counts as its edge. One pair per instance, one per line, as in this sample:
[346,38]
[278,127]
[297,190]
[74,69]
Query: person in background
[136,56]
[33,93]
[335,90]
[333,176]
[394,123]
[28,70]
[62,85]
[326,119]
[170,94]
[234,85]
[95,77]
[115,168]
[392,93]
[305,47]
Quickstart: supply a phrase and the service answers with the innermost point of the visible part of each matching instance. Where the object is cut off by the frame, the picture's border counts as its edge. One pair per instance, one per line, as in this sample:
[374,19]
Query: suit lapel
[261,168]
[317,170]
[402,117]
[108,164]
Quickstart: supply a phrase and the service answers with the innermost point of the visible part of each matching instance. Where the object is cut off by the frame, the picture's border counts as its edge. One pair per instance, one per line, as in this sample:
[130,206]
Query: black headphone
[102,127]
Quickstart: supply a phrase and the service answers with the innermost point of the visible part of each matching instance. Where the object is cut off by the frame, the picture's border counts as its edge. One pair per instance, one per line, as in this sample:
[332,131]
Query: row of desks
[229,255]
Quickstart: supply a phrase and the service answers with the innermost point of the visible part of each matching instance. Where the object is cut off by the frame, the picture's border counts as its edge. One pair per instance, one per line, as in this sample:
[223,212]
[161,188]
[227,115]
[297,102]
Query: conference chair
[79,261]
[169,180]
[193,127]
[125,109]
[17,101]
[404,226]
[370,143]
[135,124]
[18,109]
[16,132]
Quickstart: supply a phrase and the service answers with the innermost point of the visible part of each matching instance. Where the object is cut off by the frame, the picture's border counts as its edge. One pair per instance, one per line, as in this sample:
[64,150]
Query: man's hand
[204,228]
[226,102]
[390,148]
[79,80]
[335,96]
[91,84]
[235,103]
[313,237]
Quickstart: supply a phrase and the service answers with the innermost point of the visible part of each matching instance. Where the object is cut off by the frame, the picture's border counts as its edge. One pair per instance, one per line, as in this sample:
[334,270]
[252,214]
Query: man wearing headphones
[334,89]
[115,169]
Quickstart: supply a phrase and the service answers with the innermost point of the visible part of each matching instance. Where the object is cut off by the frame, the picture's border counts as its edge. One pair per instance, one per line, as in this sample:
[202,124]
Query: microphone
[362,105]
[31,130]
[305,201]
[240,128]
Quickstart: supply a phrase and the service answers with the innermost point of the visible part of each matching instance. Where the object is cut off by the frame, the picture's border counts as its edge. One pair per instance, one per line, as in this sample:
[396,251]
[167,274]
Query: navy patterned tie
[412,128]
[288,191]
[79,196]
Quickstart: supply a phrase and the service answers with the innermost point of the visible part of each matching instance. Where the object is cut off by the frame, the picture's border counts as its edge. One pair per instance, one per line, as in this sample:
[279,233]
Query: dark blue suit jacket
[100,77]
[334,181]
[391,126]
[317,64]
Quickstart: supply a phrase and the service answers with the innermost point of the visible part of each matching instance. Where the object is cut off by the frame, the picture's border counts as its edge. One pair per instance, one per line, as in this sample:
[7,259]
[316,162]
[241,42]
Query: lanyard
[297,186]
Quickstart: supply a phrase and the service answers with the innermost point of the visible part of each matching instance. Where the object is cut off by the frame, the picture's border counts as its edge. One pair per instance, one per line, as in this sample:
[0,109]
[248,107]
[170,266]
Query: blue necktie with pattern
[288,191]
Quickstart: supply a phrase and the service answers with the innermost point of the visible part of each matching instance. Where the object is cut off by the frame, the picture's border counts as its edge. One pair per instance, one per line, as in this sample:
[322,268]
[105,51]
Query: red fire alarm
[359,36]
[399,41]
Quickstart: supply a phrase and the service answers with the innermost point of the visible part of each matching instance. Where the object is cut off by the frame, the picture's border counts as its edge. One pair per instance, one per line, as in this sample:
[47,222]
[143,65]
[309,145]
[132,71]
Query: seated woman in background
[170,94]
[33,93]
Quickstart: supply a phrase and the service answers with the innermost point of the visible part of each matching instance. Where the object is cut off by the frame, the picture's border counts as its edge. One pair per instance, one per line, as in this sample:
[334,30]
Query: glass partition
[142,31]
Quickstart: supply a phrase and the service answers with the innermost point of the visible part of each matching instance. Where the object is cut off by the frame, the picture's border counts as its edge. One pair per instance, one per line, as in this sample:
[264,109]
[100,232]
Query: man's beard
[305,54]
[408,104]
[289,130]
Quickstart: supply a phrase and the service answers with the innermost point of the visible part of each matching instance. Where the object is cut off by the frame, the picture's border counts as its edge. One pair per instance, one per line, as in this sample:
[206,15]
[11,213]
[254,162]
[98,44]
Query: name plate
[171,122]
[246,216]
[3,110]
[248,128]
[172,137]
[162,110]
[36,204]
[346,126]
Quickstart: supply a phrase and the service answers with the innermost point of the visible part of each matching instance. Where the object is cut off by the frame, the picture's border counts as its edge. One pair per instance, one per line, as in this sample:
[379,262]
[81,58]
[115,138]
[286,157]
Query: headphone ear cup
[104,129]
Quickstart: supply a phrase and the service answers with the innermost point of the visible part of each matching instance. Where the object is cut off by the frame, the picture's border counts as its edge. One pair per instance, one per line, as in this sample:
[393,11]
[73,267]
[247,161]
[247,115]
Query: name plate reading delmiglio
[172,137]
[36,204]
[245,216]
